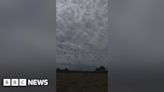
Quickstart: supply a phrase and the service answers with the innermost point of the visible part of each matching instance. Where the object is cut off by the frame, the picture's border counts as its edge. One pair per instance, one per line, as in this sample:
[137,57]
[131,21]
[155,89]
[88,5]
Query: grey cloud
[82,31]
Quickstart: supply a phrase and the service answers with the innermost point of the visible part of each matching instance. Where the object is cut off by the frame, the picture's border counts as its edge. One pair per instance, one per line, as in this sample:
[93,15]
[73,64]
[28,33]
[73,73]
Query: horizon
[82,67]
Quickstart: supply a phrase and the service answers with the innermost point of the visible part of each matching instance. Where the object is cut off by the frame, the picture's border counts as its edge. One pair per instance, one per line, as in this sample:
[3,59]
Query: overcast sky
[82,32]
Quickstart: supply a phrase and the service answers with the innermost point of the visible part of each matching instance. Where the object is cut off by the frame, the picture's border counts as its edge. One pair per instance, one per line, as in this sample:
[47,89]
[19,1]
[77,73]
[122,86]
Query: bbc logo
[14,82]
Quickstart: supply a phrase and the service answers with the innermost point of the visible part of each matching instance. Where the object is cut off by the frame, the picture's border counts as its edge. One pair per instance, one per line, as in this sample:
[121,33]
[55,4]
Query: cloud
[82,31]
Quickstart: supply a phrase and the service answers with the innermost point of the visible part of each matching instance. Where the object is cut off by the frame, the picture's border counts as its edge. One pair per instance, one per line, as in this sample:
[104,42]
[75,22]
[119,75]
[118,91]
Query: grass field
[81,82]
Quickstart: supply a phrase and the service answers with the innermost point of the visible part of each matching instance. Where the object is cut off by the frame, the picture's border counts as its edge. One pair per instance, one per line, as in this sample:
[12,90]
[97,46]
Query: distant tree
[66,69]
[58,69]
[101,69]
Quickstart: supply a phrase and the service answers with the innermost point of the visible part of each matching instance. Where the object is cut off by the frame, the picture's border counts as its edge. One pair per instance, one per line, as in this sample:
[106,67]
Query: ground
[81,82]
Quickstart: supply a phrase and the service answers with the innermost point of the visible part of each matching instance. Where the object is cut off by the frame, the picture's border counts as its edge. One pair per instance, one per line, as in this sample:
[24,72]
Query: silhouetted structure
[101,69]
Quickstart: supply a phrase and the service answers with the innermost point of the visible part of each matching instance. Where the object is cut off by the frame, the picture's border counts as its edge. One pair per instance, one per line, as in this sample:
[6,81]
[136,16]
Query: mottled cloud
[82,32]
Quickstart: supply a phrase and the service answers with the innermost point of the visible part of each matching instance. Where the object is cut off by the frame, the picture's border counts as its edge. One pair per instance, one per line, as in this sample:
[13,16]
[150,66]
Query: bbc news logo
[24,82]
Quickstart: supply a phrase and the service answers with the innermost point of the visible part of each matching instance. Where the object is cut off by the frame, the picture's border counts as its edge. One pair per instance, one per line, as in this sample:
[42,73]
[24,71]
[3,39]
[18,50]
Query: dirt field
[81,82]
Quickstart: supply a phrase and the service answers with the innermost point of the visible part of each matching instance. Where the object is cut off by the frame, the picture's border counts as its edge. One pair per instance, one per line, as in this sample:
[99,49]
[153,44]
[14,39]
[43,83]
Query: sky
[82,32]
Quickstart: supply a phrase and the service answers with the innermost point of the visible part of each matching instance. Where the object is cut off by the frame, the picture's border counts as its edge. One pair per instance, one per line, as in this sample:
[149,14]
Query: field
[81,82]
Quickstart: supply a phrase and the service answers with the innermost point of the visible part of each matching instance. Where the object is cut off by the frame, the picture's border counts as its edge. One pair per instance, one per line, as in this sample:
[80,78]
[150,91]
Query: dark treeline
[100,69]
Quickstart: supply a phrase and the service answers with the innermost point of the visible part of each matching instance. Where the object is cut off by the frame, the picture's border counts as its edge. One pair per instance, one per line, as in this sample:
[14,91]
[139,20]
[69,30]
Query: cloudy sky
[82,32]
